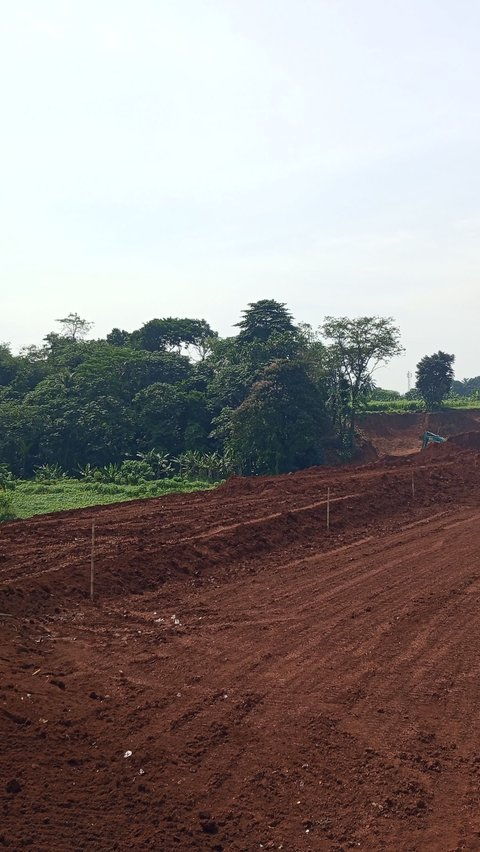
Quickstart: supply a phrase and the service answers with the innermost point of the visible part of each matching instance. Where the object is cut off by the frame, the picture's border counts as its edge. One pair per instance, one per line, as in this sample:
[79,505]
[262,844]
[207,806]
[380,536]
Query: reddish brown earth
[401,434]
[279,685]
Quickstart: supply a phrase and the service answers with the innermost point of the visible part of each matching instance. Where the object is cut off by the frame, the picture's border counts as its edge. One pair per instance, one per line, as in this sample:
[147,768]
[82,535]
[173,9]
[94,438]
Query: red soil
[400,434]
[467,440]
[279,685]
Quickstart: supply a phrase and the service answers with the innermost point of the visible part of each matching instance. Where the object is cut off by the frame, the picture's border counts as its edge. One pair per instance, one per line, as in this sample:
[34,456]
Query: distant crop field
[400,406]
[37,498]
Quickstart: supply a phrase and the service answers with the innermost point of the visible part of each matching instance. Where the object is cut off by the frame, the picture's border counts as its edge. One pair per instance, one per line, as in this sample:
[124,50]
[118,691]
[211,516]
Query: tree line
[275,397]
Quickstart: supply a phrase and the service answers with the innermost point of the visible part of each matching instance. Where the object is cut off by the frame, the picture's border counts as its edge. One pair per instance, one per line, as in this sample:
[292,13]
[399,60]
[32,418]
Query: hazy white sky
[186,157]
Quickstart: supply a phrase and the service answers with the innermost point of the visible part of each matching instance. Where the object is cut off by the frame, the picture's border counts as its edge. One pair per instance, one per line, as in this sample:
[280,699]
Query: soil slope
[401,434]
[246,678]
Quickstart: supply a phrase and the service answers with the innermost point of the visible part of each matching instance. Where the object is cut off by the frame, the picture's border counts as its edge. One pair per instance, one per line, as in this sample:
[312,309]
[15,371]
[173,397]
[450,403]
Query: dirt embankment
[467,440]
[401,434]
[247,678]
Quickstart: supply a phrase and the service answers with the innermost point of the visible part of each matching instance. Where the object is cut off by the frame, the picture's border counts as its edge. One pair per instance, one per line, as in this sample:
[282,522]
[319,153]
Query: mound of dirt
[140,546]
[434,453]
[466,440]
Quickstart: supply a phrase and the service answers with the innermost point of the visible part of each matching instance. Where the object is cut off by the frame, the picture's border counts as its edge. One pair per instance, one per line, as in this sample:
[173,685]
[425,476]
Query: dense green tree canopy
[263,319]
[434,375]
[171,334]
[280,425]
[467,387]
[270,399]
[8,365]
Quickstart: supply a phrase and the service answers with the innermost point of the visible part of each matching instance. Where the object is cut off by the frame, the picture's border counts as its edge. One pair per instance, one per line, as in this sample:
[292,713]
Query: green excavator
[431,438]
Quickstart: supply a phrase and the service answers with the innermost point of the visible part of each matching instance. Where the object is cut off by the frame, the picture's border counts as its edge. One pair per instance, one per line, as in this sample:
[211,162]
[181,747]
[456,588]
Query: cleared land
[278,685]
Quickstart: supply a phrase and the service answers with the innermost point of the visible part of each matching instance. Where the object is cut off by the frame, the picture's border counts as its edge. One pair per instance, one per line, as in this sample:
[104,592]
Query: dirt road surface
[245,678]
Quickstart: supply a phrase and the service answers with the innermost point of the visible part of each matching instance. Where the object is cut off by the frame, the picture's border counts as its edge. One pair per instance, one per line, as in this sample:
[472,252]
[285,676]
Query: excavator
[431,438]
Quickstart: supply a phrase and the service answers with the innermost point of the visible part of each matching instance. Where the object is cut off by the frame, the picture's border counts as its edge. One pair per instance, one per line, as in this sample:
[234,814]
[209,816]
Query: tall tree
[20,428]
[262,319]
[74,327]
[172,333]
[280,425]
[358,347]
[118,337]
[434,376]
[8,365]
[467,387]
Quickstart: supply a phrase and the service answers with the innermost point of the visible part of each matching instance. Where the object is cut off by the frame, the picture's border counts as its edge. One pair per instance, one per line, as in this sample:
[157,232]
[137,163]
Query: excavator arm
[431,438]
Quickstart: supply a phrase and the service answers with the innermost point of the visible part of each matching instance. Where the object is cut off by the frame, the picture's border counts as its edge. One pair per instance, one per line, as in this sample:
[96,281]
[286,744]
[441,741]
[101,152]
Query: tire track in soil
[308,661]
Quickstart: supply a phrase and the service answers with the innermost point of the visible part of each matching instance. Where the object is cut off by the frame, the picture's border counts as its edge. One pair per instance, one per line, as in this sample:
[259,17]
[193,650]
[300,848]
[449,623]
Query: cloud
[469,225]
[42,25]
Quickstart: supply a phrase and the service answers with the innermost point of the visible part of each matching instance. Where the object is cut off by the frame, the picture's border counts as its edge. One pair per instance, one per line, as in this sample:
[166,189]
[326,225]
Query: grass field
[37,498]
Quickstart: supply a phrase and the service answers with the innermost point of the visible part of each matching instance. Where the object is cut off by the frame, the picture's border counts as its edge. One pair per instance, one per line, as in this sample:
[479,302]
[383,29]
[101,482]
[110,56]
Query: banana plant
[49,473]
[161,463]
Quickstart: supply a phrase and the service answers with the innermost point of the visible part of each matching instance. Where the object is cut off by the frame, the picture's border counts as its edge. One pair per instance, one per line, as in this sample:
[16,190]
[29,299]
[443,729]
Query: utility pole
[409,379]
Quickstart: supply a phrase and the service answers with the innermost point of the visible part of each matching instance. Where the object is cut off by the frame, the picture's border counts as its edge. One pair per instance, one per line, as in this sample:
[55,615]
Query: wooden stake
[92,561]
[413,485]
[328,508]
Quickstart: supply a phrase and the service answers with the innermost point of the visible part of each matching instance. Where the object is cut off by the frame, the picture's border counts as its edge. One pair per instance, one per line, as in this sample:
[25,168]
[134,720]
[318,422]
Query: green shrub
[134,472]
[6,506]
[46,488]
[108,473]
[49,473]
[7,479]
[159,463]
[383,395]
[397,406]
[462,402]
[103,487]
[87,472]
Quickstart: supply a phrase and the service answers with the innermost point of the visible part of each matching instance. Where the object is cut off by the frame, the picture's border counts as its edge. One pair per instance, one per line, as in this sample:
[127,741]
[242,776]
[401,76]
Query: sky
[188,157]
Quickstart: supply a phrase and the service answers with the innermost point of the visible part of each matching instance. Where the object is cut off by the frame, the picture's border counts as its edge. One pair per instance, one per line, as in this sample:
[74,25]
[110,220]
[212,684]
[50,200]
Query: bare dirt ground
[401,434]
[247,679]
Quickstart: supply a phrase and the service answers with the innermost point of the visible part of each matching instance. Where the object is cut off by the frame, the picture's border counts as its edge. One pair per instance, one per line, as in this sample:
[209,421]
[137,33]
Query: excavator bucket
[431,438]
